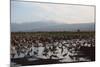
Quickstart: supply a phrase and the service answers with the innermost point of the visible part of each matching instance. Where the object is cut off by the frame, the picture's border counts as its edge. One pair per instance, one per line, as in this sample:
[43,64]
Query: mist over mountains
[50,26]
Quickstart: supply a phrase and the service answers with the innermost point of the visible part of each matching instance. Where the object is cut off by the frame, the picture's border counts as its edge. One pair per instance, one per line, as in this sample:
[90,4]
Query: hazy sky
[24,12]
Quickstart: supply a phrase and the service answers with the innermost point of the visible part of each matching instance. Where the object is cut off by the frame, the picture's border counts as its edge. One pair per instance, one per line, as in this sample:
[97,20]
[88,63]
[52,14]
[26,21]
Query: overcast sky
[24,12]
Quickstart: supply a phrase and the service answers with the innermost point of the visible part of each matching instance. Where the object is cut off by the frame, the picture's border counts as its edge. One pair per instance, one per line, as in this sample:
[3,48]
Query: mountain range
[50,26]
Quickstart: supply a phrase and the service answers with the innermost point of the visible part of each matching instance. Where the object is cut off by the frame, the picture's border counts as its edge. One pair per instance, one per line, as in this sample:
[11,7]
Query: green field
[55,34]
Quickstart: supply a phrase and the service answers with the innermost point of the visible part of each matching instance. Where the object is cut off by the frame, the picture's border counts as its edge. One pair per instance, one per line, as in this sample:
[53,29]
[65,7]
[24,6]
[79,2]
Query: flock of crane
[35,47]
